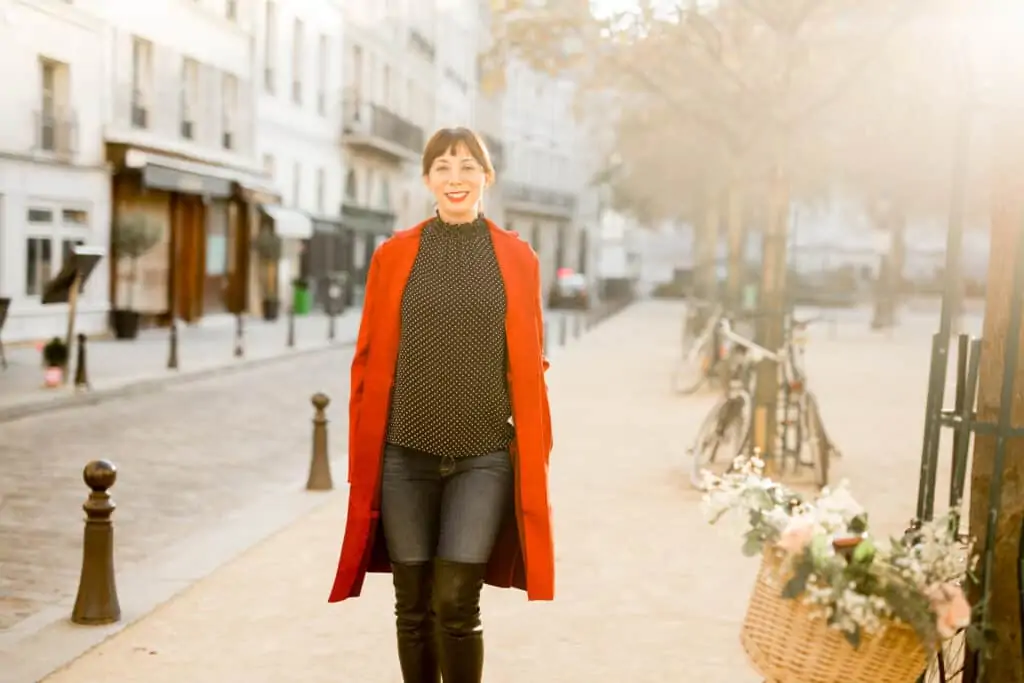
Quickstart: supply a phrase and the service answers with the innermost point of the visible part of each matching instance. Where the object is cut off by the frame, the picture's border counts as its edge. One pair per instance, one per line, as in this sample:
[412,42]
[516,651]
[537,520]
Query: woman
[449,427]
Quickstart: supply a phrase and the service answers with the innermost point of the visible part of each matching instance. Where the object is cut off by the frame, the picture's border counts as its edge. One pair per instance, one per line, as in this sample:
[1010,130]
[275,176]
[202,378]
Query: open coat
[523,556]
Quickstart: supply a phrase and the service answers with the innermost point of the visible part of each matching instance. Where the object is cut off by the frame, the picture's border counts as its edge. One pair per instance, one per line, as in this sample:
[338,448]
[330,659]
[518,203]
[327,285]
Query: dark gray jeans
[433,507]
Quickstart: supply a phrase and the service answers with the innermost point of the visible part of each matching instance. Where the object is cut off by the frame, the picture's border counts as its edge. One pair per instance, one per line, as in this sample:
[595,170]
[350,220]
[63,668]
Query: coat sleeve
[539,317]
[362,354]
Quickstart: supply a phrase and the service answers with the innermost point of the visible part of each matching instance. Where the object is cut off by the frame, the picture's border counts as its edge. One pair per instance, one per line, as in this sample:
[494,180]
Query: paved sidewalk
[116,365]
[646,591]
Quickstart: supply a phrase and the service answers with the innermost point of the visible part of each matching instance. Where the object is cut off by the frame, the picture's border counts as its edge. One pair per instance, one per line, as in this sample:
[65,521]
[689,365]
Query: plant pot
[126,324]
[53,376]
[271,309]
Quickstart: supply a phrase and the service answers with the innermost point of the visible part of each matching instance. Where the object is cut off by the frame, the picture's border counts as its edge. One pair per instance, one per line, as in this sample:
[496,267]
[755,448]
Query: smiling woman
[450,429]
[456,169]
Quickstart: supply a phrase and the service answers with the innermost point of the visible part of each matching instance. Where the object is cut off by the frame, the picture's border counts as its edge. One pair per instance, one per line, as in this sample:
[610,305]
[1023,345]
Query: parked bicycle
[727,432]
[701,354]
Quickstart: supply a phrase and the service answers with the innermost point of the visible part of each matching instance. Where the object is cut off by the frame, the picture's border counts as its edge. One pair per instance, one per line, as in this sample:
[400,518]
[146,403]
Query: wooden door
[187,220]
[215,259]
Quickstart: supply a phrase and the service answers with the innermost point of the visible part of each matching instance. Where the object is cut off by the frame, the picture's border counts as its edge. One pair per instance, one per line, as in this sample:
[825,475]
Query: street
[645,590]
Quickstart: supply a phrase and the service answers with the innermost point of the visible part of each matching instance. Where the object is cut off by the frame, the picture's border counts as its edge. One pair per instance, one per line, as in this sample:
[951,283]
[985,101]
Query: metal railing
[561,202]
[361,117]
[56,133]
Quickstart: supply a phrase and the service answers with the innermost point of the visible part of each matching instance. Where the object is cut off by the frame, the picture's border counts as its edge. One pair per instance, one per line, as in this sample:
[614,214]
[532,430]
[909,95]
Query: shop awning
[289,223]
[162,172]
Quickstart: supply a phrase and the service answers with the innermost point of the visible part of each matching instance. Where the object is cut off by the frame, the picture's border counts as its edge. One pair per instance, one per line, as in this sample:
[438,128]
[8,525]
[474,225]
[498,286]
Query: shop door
[215,278]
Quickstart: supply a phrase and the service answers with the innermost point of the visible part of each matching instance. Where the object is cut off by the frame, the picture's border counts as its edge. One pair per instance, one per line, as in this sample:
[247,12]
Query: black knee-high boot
[414,619]
[457,589]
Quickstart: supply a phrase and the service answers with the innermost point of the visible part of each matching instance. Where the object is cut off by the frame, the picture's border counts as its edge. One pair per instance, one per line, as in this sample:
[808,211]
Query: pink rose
[797,535]
[952,611]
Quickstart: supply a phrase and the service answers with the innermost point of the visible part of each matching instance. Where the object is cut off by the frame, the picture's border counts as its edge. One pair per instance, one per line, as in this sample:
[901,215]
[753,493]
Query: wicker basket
[787,645]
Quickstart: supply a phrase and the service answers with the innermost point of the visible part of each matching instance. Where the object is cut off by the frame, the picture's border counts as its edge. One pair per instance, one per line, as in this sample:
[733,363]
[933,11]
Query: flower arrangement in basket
[830,603]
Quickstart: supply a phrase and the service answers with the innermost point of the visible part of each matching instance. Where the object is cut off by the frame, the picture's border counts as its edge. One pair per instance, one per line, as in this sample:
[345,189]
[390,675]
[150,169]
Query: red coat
[524,554]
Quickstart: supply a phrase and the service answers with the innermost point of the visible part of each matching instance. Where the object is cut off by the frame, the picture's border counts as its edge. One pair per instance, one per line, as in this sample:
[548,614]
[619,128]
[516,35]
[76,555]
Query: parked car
[570,290]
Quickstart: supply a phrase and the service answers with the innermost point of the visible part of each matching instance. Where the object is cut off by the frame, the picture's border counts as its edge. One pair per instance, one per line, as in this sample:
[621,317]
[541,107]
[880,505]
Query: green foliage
[135,235]
[268,245]
[55,353]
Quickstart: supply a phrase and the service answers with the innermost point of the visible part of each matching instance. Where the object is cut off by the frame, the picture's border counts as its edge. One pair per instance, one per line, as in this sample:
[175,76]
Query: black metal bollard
[291,327]
[81,369]
[320,465]
[97,601]
[239,336]
[172,354]
[331,332]
[577,327]
[563,331]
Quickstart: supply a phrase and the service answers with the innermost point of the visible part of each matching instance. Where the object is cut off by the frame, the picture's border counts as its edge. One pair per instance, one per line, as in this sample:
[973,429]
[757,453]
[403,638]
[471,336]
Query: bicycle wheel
[817,440]
[720,437]
[691,371]
[947,665]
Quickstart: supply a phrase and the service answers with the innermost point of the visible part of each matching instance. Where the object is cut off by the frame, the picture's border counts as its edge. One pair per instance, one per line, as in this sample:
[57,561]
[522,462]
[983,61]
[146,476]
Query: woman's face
[457,181]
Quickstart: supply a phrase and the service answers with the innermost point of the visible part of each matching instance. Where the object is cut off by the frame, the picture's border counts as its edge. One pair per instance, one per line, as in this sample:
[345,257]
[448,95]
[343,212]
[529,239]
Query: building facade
[299,132]
[547,174]
[54,184]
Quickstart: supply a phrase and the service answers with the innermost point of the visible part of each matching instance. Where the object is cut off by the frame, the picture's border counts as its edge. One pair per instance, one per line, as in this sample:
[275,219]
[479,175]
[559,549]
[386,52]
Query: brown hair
[446,140]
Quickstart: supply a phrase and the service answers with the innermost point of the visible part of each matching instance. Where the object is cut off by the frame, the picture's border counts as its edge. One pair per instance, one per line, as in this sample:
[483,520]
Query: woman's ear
[489,178]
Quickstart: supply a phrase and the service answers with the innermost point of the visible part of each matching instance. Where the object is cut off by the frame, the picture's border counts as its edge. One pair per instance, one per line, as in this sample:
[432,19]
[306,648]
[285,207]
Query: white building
[547,172]
[299,124]
[54,183]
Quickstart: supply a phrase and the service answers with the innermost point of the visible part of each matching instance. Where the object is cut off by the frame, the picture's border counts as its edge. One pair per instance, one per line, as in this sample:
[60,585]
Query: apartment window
[229,108]
[189,98]
[297,49]
[357,71]
[54,126]
[322,65]
[385,84]
[351,186]
[296,183]
[385,194]
[50,229]
[231,9]
[142,78]
[268,164]
[270,48]
[321,188]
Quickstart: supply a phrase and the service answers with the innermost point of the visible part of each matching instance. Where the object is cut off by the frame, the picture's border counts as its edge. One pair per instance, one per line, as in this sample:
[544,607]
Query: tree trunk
[736,238]
[772,309]
[706,251]
[1003,663]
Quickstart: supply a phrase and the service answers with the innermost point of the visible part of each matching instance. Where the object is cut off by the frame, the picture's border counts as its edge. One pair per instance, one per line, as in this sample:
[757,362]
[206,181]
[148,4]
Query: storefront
[367,228]
[206,214]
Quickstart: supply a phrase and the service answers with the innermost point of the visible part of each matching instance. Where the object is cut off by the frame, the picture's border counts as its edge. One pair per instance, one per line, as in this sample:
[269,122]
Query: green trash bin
[302,297]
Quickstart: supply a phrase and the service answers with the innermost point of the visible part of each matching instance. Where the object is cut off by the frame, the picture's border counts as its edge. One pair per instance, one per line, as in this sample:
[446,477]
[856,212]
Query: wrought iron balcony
[367,124]
[530,199]
[496,150]
[56,133]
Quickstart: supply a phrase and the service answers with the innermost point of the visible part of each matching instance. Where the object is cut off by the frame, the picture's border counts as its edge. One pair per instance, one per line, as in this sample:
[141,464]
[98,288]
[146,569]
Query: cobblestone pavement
[112,364]
[187,455]
[647,592]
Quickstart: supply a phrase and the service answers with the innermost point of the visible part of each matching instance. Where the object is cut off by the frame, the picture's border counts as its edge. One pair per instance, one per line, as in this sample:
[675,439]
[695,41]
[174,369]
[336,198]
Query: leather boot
[414,619]
[457,589]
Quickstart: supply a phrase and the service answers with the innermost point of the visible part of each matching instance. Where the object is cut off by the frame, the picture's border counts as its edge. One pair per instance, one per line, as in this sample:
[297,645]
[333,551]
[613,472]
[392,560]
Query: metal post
[239,336]
[331,332]
[172,354]
[563,331]
[81,370]
[291,326]
[97,601]
[320,465]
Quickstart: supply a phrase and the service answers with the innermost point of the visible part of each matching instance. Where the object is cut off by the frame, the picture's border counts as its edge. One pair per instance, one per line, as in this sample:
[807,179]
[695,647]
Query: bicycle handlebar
[760,352]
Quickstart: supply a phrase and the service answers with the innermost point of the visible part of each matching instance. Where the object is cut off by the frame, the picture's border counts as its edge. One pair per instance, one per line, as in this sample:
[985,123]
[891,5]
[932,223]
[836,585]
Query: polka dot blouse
[451,394]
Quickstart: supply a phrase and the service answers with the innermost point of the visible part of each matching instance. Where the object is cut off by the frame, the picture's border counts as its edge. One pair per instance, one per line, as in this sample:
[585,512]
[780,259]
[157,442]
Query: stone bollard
[239,336]
[291,327]
[81,369]
[97,590]
[172,353]
[563,331]
[320,465]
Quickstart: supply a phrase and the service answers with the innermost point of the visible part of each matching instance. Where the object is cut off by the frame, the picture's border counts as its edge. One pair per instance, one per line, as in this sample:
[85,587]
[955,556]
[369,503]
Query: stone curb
[146,385]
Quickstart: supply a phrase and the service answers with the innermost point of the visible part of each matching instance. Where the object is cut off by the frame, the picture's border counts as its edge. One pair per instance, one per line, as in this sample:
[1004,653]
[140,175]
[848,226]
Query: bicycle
[701,355]
[731,417]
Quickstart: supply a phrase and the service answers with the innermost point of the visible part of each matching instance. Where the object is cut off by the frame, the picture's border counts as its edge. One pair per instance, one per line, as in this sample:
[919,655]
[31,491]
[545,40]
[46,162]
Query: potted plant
[268,248]
[55,358]
[132,238]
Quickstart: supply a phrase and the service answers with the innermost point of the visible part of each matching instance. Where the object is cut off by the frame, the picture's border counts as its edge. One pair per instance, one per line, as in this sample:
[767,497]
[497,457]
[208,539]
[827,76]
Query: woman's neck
[459,219]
